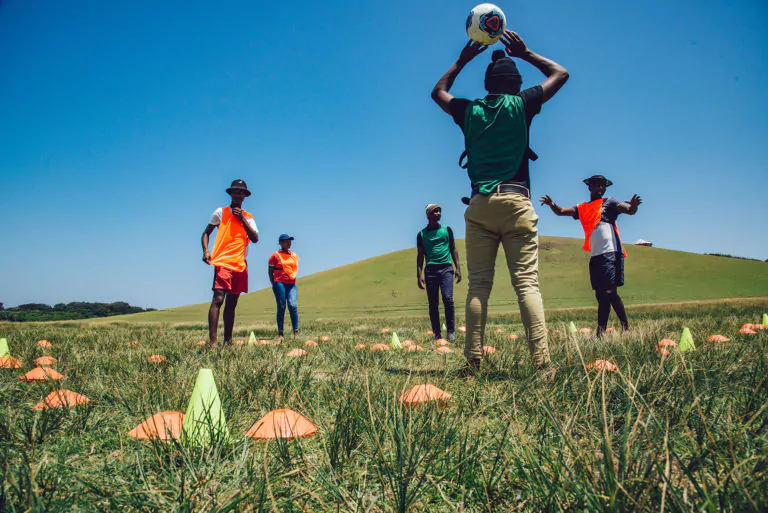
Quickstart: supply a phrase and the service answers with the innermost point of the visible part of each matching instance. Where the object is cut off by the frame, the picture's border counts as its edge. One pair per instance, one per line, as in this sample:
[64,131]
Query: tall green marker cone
[764,323]
[395,344]
[204,421]
[686,342]
[445,329]
[4,351]
[252,338]
[572,328]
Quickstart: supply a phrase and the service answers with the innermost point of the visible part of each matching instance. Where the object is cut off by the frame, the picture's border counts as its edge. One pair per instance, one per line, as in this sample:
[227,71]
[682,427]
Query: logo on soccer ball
[469,19]
[491,24]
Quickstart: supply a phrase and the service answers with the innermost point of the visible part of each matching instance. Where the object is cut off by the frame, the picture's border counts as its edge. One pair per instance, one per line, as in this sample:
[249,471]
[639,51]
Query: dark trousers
[605,300]
[439,279]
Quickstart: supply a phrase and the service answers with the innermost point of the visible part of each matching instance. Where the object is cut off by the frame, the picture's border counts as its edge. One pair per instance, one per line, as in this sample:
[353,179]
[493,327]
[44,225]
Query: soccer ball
[485,24]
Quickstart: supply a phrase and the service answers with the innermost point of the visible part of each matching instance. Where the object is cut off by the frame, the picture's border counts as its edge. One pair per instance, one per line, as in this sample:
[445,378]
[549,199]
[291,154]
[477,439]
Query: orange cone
[747,331]
[9,362]
[609,330]
[424,394]
[443,350]
[133,343]
[384,331]
[325,339]
[412,348]
[463,329]
[202,343]
[310,343]
[667,343]
[296,353]
[45,361]
[512,337]
[41,374]
[499,330]
[61,399]
[407,342]
[380,347]
[602,365]
[162,426]
[488,350]
[441,342]
[719,338]
[156,358]
[261,342]
[239,342]
[284,423]
[585,330]
[44,343]
[360,346]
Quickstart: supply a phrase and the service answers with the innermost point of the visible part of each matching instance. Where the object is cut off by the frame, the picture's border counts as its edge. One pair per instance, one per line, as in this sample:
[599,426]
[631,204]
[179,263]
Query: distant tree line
[31,312]
[733,256]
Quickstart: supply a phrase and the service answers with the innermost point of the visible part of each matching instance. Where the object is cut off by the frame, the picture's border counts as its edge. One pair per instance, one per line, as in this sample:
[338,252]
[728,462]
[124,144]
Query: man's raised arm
[556,75]
[440,93]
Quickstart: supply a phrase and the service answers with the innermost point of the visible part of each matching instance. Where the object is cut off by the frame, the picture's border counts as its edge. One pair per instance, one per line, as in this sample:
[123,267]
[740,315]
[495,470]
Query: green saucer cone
[4,351]
[252,338]
[204,421]
[395,344]
[686,342]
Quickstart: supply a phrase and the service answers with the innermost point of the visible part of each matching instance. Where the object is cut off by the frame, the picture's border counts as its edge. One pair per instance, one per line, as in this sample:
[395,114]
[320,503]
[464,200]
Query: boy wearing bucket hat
[500,211]
[283,266]
[602,240]
[436,246]
[230,278]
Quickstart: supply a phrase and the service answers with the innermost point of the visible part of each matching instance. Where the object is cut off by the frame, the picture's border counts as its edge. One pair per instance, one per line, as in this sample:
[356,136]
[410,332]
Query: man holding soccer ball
[496,131]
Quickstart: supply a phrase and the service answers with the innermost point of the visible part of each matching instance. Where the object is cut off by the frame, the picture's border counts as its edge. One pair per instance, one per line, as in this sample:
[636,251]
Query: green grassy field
[685,433]
[386,285]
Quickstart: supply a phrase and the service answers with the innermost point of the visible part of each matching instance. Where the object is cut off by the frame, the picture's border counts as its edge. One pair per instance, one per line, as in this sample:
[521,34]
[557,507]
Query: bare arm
[455,256]
[271,274]
[630,208]
[557,209]
[419,261]
[556,75]
[440,93]
[205,240]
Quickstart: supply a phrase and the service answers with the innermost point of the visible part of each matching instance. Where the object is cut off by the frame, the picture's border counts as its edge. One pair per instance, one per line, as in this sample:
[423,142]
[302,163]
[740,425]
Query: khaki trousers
[509,219]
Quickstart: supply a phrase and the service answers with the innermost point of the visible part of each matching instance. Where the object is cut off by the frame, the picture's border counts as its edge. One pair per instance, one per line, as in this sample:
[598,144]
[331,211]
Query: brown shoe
[470,369]
[547,373]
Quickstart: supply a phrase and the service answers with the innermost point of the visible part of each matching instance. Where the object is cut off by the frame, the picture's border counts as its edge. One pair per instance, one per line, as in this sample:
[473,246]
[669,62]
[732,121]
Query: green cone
[686,341]
[252,338]
[395,344]
[445,329]
[204,421]
[765,320]
[572,328]
[4,351]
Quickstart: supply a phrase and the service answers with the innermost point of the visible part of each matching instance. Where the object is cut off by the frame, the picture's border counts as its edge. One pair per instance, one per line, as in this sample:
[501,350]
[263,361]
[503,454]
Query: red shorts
[231,281]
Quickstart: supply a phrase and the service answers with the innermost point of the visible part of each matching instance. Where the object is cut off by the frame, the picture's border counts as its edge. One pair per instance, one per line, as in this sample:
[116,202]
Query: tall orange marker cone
[204,420]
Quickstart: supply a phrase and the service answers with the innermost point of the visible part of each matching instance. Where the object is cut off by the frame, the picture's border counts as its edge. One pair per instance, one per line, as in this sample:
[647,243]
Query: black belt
[502,188]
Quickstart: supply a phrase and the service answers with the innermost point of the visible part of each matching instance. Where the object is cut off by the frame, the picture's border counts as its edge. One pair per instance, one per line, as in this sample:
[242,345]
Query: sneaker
[547,373]
[451,337]
[438,336]
[295,334]
[470,369]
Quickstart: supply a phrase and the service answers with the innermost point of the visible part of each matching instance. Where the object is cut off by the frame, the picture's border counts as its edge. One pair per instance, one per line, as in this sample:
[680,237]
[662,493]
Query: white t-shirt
[602,240]
[216,221]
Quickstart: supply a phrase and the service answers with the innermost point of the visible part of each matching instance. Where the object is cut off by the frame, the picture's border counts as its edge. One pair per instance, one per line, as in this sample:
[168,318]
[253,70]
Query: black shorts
[606,271]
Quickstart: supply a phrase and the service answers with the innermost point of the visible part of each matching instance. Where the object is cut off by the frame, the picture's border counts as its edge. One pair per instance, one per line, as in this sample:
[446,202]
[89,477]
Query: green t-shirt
[437,246]
[496,139]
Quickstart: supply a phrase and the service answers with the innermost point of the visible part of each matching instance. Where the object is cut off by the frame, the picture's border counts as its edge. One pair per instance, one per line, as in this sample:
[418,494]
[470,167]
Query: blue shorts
[606,271]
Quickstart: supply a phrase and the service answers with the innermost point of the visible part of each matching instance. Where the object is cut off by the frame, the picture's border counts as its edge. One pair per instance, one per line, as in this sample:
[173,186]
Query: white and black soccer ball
[486,23]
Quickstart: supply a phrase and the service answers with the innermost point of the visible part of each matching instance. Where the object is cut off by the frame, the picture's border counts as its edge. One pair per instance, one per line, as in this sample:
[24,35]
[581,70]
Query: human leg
[229,316]
[213,315]
[618,307]
[432,280]
[521,248]
[292,296]
[603,310]
[279,290]
[482,244]
[446,291]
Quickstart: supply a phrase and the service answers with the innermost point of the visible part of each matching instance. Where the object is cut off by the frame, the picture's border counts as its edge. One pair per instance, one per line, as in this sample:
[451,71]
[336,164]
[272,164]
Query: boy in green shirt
[435,244]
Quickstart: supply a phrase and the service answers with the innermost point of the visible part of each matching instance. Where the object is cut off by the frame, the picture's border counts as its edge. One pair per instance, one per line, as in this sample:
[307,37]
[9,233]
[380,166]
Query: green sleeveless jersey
[437,248]
[496,139]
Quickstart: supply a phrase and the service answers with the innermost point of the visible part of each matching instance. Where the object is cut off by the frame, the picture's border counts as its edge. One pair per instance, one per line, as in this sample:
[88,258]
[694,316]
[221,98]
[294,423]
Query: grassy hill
[386,285]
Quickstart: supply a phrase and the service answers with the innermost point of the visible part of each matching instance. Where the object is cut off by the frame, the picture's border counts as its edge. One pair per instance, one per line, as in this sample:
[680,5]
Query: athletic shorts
[231,281]
[606,271]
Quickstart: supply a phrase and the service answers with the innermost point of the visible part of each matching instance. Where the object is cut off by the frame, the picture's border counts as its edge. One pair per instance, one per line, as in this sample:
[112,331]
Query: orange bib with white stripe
[231,242]
[590,215]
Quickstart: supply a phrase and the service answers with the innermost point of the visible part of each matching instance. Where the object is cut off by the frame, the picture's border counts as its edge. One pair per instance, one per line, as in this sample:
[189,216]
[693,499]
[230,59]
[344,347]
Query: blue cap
[284,236]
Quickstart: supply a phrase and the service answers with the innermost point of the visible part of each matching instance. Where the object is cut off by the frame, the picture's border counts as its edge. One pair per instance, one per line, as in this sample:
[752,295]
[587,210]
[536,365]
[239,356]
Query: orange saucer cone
[284,423]
[602,365]
[424,394]
[45,361]
[9,362]
[41,374]
[162,426]
[61,399]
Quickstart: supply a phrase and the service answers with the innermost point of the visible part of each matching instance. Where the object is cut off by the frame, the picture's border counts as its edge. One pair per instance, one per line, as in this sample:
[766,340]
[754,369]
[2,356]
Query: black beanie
[502,73]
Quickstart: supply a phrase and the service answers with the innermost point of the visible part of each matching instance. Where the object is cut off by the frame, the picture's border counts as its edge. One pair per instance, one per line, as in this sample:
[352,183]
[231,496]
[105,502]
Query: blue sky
[121,124]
